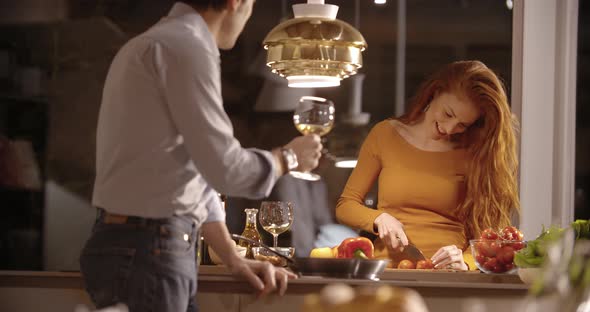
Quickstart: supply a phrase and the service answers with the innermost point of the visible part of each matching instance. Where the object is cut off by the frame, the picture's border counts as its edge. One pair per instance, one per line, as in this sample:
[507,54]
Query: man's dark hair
[206,4]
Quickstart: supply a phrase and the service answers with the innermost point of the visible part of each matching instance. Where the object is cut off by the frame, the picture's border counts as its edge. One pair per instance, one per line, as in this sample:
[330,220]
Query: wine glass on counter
[276,217]
[313,115]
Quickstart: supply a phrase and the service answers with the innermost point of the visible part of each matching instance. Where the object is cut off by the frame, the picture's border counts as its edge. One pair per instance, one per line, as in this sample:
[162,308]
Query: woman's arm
[350,209]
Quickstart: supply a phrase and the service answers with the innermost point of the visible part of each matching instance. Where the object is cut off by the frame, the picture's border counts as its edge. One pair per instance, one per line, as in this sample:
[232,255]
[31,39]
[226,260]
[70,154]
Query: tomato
[505,255]
[499,268]
[509,266]
[495,251]
[489,234]
[487,249]
[496,247]
[517,245]
[406,264]
[511,233]
[481,259]
[490,264]
[424,264]
[480,246]
[506,236]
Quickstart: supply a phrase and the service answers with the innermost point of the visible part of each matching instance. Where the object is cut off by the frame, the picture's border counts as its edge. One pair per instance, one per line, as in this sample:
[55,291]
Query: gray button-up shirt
[165,145]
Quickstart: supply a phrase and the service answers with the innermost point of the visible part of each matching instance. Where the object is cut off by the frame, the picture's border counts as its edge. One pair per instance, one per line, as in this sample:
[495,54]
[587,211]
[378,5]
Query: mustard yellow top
[422,189]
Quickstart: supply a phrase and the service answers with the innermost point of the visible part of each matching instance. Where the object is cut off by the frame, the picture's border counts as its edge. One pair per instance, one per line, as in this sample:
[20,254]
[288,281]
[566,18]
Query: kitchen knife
[409,252]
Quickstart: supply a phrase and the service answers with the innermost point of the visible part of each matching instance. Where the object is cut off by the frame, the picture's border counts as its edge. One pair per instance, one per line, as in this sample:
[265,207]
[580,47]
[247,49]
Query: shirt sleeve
[190,78]
[215,212]
[350,209]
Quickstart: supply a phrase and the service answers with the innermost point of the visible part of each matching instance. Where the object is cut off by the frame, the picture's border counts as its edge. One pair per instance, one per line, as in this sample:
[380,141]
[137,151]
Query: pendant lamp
[314,49]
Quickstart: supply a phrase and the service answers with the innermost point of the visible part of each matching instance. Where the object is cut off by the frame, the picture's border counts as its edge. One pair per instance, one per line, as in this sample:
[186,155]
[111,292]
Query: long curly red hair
[491,195]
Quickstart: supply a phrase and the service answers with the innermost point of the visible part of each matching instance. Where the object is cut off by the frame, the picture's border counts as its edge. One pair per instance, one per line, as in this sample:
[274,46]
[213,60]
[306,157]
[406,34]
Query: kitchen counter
[441,290]
[216,279]
[219,291]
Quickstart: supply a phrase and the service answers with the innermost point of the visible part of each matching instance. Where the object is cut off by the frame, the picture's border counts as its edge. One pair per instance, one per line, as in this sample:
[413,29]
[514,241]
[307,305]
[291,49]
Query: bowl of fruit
[494,250]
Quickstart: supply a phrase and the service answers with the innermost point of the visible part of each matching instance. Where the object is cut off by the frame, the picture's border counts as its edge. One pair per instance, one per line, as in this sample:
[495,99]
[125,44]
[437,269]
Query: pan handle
[290,262]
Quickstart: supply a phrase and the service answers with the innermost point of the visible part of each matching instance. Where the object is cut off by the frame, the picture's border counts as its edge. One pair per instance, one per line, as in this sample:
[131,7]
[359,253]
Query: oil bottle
[250,231]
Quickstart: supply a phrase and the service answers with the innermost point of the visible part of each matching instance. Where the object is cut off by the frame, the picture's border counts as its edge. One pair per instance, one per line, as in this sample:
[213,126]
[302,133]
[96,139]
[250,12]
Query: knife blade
[409,252]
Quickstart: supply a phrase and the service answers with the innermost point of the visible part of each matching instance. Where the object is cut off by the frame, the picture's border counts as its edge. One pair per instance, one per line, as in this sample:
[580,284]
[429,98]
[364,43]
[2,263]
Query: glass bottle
[250,231]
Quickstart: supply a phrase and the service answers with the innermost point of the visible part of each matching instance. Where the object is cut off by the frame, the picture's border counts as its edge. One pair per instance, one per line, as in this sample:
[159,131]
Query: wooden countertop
[216,279]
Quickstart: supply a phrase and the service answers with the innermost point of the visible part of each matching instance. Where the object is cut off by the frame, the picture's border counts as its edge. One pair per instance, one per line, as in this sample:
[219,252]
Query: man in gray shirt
[165,149]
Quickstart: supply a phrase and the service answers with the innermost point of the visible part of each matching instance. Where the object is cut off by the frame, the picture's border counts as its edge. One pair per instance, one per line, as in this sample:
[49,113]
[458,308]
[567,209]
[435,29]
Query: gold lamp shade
[314,51]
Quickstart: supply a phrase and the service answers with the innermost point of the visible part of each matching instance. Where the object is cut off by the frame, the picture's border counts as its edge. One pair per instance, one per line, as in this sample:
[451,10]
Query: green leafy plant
[582,229]
[533,255]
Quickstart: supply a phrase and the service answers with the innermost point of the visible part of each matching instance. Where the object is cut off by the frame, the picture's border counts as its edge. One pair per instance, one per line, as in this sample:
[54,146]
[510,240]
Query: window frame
[544,58]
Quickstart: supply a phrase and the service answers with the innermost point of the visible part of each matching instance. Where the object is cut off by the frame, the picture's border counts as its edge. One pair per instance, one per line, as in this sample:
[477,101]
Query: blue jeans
[148,264]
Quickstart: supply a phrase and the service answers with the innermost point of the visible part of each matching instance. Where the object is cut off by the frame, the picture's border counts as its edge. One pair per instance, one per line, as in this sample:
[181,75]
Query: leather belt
[113,218]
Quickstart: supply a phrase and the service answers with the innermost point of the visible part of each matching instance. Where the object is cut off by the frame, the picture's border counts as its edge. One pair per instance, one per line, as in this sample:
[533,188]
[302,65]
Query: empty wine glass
[276,217]
[313,115]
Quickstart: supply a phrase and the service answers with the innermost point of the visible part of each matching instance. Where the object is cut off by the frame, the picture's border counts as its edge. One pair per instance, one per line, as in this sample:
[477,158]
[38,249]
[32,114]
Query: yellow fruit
[322,252]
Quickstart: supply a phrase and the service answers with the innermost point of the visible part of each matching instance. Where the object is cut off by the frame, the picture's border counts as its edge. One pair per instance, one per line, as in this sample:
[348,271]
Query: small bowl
[495,256]
[529,275]
[215,258]
[264,254]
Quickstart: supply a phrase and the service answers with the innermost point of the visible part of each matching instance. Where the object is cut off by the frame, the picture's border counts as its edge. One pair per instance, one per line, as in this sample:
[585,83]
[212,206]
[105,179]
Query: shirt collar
[194,20]
[179,9]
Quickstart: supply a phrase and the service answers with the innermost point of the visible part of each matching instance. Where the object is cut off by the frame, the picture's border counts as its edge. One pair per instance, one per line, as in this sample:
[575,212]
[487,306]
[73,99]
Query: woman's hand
[391,231]
[449,257]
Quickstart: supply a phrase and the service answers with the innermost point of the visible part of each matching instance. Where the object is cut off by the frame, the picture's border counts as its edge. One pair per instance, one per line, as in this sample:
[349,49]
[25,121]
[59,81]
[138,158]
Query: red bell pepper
[357,247]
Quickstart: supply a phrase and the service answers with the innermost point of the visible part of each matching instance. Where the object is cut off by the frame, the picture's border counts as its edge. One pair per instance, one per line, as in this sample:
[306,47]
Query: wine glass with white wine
[313,115]
[276,218]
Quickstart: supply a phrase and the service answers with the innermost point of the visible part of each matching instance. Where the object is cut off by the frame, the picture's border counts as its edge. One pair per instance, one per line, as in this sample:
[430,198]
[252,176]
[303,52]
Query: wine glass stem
[275,238]
[325,153]
[324,141]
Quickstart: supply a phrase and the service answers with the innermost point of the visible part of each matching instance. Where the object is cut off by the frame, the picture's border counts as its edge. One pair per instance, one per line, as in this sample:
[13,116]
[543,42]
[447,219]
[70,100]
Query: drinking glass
[313,115]
[276,217]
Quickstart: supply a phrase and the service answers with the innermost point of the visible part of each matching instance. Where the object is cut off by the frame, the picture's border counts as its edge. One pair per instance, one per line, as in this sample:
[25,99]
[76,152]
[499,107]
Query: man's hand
[263,276]
[308,149]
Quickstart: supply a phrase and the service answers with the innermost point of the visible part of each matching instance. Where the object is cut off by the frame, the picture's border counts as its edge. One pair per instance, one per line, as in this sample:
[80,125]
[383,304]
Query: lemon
[322,252]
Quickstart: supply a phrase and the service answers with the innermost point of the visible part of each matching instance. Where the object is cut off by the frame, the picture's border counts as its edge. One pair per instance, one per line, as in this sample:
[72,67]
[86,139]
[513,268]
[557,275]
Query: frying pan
[329,267]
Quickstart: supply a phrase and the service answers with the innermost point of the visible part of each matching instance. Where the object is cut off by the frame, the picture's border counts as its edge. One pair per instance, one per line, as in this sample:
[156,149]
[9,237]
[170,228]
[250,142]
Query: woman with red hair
[446,170]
